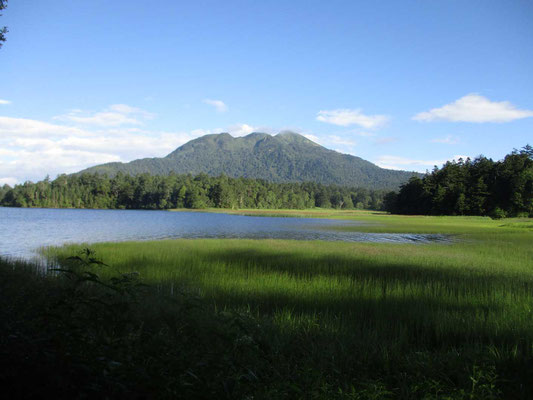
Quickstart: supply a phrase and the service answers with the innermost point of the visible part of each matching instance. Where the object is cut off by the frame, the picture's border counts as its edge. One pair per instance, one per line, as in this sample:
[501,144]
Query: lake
[24,230]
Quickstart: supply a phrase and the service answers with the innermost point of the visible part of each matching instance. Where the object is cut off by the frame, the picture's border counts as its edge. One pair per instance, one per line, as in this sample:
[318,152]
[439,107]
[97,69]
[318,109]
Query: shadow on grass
[387,302]
[450,316]
[288,346]
[383,274]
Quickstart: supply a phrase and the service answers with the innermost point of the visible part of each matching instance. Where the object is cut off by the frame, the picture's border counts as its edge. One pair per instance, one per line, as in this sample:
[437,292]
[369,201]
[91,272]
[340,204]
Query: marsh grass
[81,333]
[400,320]
[277,319]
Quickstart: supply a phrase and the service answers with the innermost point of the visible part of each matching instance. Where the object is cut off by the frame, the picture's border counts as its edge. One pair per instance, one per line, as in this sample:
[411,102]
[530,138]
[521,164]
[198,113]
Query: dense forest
[146,191]
[464,187]
[471,187]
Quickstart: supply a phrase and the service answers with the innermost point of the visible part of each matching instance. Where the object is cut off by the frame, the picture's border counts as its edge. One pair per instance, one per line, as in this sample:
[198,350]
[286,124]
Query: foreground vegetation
[284,319]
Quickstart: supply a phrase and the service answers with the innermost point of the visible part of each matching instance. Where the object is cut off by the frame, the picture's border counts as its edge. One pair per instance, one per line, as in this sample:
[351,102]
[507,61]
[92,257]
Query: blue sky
[403,84]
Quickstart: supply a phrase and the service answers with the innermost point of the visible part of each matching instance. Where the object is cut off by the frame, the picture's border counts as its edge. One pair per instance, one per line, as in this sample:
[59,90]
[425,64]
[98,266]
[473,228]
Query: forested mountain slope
[285,157]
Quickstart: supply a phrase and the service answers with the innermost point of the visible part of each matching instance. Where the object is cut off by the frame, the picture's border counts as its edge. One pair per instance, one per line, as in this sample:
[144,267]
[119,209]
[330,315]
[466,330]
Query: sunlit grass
[380,301]
[443,284]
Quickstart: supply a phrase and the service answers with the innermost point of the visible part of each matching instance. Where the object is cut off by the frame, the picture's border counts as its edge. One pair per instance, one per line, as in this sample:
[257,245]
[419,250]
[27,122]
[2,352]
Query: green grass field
[406,319]
[359,320]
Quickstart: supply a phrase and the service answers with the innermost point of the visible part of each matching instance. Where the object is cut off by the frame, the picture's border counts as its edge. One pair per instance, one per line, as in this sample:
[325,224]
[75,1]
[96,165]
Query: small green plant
[484,381]
[81,269]
[498,213]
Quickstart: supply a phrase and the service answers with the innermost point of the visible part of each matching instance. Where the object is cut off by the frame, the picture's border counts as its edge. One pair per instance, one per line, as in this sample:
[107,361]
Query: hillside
[285,157]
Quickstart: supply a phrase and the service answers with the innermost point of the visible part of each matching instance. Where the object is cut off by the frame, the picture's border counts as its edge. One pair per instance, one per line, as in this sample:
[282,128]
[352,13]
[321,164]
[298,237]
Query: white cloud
[35,165]
[241,130]
[339,140]
[447,140]
[114,115]
[332,141]
[30,127]
[474,108]
[31,149]
[219,105]
[312,138]
[4,102]
[34,155]
[402,163]
[125,144]
[347,117]
[245,129]
[8,180]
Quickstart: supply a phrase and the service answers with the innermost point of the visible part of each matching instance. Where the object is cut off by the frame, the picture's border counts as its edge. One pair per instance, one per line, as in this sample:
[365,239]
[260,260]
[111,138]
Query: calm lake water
[24,230]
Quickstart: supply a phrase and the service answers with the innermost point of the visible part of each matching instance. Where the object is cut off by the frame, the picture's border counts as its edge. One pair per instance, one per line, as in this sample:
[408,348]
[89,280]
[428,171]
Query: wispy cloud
[386,140]
[8,180]
[331,141]
[419,165]
[474,108]
[364,133]
[4,102]
[241,129]
[114,115]
[347,117]
[30,127]
[342,141]
[447,140]
[31,149]
[312,138]
[219,105]
[34,153]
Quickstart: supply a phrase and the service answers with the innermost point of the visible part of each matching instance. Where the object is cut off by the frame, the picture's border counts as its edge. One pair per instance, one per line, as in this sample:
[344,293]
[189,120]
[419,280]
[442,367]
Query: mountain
[285,157]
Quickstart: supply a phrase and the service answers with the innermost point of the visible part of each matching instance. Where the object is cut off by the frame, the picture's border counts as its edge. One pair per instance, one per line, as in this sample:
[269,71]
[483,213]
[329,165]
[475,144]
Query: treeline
[471,187]
[183,191]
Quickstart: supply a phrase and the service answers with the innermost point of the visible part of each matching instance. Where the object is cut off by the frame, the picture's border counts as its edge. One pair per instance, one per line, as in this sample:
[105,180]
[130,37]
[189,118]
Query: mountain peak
[256,135]
[293,137]
[288,133]
[285,157]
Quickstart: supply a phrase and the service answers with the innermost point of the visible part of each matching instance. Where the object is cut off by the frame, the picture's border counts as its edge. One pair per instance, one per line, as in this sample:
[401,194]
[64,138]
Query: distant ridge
[285,157]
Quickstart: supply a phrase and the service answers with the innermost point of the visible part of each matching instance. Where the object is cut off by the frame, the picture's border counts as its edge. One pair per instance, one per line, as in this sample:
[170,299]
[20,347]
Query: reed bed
[367,319]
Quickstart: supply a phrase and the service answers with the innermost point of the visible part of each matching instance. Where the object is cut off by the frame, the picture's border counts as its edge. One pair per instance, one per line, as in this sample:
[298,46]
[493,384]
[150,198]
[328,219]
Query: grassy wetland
[298,319]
